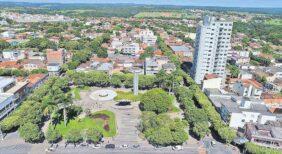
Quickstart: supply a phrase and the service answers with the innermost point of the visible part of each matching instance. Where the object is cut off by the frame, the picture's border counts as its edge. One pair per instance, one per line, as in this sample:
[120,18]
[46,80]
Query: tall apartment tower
[212,45]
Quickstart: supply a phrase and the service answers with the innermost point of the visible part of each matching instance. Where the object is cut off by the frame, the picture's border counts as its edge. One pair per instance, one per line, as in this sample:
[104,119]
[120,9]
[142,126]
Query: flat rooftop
[4,96]
[17,87]
[4,81]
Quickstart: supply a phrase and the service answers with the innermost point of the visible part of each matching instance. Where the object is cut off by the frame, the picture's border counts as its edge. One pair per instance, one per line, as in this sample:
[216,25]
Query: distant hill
[126,9]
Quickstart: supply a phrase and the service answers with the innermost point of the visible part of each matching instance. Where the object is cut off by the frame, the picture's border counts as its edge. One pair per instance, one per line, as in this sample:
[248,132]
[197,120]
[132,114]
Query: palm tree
[65,103]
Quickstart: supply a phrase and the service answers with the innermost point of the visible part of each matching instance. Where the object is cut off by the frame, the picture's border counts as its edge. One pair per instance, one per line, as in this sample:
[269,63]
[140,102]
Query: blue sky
[228,3]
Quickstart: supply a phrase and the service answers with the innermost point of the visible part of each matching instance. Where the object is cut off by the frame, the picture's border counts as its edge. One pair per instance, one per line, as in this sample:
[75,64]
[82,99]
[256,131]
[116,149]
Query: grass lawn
[276,22]
[76,91]
[127,95]
[89,122]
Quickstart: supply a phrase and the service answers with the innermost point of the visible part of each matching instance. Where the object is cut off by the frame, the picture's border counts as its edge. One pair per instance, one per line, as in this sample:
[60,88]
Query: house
[13,54]
[106,67]
[116,44]
[181,51]
[264,135]
[248,88]
[270,73]
[35,55]
[236,111]
[154,64]
[272,100]
[31,64]
[10,64]
[211,81]
[275,85]
[55,57]
[245,75]
[151,67]
[239,57]
[53,68]
[132,49]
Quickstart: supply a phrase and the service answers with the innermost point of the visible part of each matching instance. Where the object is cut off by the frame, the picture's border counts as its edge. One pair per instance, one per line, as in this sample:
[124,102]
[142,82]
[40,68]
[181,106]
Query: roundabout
[103,95]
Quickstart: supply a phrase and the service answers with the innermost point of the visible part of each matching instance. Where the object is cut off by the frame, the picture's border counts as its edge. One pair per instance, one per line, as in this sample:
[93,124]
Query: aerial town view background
[140,78]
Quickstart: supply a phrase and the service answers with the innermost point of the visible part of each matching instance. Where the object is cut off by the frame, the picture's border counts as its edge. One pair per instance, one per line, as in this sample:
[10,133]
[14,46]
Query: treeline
[22,73]
[102,79]
[200,112]
[254,29]
[168,52]
[39,43]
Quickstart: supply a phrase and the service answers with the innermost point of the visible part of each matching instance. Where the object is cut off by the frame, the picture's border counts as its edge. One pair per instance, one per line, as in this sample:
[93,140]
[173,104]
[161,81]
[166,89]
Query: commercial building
[212,45]
[147,36]
[236,111]
[264,135]
[11,94]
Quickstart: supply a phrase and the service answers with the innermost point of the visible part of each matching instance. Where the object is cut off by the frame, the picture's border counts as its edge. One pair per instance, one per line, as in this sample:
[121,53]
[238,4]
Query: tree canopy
[156,100]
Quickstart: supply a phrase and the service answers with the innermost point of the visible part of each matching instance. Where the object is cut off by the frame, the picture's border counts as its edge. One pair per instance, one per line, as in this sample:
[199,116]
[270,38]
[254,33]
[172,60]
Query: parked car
[136,146]
[97,146]
[110,146]
[125,146]
[177,147]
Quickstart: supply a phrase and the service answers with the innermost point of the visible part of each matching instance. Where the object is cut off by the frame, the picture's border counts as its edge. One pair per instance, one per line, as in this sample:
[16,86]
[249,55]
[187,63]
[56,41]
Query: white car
[177,147]
[125,146]
[97,146]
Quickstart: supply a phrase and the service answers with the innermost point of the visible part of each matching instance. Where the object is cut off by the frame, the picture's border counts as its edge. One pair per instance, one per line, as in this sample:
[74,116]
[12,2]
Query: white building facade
[147,36]
[212,45]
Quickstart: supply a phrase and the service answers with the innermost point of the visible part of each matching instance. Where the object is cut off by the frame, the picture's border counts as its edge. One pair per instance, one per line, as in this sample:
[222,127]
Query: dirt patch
[106,127]
[100,116]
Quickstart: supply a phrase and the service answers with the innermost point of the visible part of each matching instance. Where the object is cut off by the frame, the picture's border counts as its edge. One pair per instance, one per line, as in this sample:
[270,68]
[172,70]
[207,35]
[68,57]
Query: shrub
[53,135]
[30,132]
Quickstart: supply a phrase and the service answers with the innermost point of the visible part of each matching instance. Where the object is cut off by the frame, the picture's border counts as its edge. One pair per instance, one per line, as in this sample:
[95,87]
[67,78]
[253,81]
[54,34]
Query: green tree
[93,135]
[234,70]
[30,132]
[162,136]
[227,134]
[115,81]
[3,45]
[201,129]
[52,135]
[179,136]
[156,100]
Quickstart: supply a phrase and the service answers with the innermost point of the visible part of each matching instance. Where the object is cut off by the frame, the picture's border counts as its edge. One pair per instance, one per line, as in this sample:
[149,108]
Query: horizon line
[144,4]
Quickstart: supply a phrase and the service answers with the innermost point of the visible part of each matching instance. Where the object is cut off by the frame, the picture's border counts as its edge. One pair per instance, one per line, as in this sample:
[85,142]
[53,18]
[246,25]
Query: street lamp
[1,134]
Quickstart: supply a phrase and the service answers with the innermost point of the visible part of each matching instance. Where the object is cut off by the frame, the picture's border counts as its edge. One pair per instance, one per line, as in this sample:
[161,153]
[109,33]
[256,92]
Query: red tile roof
[252,82]
[35,78]
[210,76]
[10,64]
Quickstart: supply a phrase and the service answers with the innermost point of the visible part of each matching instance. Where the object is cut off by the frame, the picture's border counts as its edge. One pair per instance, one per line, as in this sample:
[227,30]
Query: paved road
[218,148]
